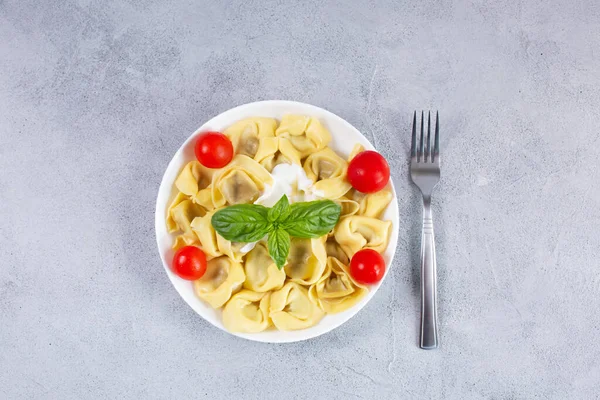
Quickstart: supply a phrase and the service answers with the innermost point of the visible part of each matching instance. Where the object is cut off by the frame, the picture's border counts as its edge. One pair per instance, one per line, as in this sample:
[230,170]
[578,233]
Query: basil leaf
[312,219]
[242,223]
[279,246]
[280,210]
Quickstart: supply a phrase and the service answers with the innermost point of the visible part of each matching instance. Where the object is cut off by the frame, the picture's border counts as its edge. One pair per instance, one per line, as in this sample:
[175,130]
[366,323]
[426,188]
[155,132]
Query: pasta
[334,250]
[306,134]
[232,250]
[355,150]
[336,291]
[356,232]
[172,225]
[192,178]
[328,171]
[241,278]
[262,274]
[241,181]
[288,153]
[213,244]
[306,260]
[373,204]
[193,181]
[206,235]
[291,308]
[267,152]
[245,135]
[181,213]
[276,150]
[222,278]
[247,311]
[349,207]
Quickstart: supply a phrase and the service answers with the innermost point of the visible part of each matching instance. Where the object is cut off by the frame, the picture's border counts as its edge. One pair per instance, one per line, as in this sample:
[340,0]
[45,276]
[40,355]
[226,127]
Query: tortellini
[356,232]
[172,226]
[255,138]
[291,308]
[193,181]
[211,242]
[262,274]
[334,250]
[355,150]
[241,181]
[275,151]
[206,235]
[306,260]
[267,152]
[287,152]
[306,134]
[222,278]
[231,249]
[245,135]
[372,204]
[328,171]
[180,215]
[336,291]
[349,207]
[247,311]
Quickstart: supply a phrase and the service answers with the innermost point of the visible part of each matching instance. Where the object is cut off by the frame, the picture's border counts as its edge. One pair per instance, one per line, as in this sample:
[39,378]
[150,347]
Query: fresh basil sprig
[242,222]
[251,222]
[312,219]
[279,246]
[279,211]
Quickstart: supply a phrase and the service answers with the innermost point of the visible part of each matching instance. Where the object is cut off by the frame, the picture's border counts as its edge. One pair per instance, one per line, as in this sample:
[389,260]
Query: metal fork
[425,173]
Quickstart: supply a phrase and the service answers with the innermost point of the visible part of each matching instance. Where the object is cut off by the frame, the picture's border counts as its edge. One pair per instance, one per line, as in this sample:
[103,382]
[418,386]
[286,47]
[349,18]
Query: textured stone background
[96,96]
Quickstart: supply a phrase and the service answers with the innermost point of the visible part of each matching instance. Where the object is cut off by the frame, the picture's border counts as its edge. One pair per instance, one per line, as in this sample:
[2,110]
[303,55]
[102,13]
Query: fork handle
[429,331]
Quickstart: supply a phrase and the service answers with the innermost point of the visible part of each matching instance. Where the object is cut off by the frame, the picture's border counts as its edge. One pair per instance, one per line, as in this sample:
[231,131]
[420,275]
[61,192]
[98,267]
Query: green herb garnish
[279,246]
[251,222]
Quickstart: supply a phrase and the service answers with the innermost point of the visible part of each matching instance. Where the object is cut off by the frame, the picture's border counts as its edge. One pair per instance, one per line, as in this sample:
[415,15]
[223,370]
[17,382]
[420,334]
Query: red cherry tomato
[368,172]
[189,263]
[213,149]
[367,267]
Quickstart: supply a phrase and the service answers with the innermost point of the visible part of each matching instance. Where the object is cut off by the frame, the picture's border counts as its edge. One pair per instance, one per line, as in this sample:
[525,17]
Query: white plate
[344,137]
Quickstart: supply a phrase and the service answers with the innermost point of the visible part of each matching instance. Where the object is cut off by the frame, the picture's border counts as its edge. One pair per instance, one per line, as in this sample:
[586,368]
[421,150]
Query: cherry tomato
[213,149]
[189,263]
[368,172]
[367,267]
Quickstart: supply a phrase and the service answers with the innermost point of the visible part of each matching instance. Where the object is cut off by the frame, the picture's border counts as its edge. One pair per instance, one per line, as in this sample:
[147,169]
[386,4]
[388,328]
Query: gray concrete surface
[96,96]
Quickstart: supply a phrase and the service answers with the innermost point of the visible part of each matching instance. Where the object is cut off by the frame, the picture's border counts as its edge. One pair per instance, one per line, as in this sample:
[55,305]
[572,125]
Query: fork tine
[413,144]
[428,155]
[421,149]
[436,146]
